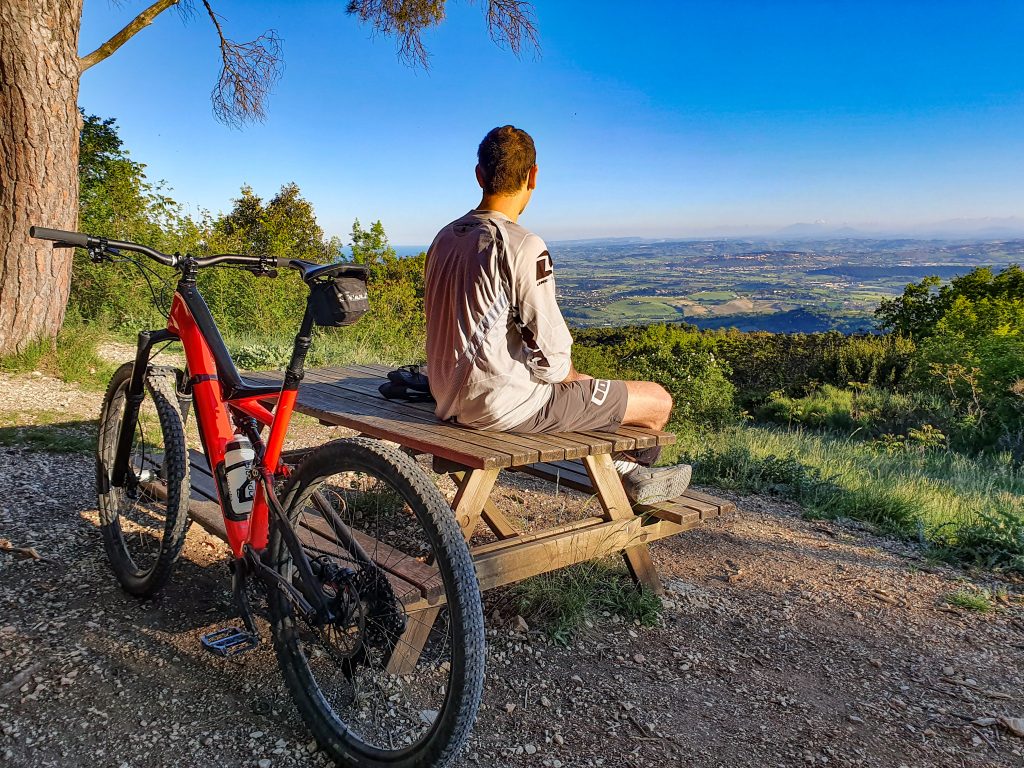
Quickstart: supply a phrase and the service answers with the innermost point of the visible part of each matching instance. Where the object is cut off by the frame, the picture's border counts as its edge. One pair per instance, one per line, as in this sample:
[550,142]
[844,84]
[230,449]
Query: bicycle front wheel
[396,680]
[144,522]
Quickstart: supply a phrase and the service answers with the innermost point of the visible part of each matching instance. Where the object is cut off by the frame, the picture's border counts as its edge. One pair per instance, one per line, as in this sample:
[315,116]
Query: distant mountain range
[1010,227]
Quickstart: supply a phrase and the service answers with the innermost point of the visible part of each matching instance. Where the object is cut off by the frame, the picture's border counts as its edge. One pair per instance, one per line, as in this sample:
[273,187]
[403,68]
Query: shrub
[760,365]
[967,510]
[868,412]
[681,360]
[995,539]
[970,337]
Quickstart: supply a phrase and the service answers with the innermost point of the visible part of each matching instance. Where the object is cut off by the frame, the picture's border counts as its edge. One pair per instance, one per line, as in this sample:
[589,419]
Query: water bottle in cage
[237,486]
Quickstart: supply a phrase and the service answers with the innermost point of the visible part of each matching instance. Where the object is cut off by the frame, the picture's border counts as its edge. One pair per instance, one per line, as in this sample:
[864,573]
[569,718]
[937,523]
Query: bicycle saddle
[311,271]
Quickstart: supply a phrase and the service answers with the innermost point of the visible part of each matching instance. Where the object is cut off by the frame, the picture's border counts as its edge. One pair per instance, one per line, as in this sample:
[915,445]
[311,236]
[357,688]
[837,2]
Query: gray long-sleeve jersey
[496,340]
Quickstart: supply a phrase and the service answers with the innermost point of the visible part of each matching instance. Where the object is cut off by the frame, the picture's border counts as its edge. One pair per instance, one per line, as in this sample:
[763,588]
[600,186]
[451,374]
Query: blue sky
[653,119]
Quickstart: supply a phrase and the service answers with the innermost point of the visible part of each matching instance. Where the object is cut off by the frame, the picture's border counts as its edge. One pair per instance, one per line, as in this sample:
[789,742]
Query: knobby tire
[452,724]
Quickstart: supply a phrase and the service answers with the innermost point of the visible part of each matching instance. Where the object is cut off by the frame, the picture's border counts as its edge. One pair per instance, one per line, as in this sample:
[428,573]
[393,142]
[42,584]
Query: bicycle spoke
[382,709]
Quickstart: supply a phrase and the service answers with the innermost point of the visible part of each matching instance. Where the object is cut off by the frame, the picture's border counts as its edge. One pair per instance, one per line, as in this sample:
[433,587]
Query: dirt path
[784,642]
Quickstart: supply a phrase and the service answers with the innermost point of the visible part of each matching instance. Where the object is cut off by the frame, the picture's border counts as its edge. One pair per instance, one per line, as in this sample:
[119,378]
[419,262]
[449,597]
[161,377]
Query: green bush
[967,510]
[682,361]
[764,364]
[702,395]
[759,365]
[868,412]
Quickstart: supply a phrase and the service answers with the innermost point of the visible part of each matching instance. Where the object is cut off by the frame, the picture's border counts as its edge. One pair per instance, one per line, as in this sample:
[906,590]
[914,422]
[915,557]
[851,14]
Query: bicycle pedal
[229,641]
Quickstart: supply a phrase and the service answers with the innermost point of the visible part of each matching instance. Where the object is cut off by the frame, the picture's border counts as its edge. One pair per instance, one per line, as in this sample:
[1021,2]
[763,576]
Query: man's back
[498,348]
[495,337]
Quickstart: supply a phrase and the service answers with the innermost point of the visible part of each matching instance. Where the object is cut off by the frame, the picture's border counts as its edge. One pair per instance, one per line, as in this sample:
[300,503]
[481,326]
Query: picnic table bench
[348,397]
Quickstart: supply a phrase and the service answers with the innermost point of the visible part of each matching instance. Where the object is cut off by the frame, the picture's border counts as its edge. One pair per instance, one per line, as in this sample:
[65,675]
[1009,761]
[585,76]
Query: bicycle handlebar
[59,235]
[66,239]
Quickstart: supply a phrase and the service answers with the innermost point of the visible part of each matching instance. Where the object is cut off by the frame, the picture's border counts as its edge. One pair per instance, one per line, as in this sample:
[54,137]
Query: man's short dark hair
[506,156]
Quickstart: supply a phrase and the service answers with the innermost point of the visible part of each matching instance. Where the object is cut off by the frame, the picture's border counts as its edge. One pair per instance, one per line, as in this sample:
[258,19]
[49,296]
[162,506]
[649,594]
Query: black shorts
[576,406]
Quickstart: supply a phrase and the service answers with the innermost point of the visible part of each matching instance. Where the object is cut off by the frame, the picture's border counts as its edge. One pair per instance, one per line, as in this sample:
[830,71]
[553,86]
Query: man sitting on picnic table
[498,349]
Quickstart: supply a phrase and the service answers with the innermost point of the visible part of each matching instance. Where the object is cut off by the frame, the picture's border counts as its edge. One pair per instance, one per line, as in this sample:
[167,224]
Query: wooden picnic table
[348,397]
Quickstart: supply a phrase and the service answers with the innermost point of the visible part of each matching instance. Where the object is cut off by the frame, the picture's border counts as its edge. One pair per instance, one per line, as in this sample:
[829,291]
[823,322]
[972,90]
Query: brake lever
[102,252]
[266,267]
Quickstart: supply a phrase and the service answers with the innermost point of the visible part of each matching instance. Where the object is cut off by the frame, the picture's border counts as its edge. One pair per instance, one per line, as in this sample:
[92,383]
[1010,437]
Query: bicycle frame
[218,395]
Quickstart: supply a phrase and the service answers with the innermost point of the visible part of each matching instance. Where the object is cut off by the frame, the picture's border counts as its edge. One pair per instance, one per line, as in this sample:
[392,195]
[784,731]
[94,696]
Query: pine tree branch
[140,22]
[248,73]
[509,22]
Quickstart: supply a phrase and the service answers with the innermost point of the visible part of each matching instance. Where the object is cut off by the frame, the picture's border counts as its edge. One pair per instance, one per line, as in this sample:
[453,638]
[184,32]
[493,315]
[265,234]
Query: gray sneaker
[650,486]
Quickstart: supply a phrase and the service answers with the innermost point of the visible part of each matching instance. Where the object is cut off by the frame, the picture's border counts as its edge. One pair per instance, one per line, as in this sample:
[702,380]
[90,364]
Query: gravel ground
[784,642]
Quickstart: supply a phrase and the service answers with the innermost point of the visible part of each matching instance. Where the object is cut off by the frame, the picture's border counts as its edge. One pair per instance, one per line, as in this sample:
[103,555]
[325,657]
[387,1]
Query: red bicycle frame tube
[216,429]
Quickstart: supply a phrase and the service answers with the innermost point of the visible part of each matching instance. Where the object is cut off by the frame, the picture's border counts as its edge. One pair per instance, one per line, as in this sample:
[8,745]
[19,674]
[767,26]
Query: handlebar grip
[59,235]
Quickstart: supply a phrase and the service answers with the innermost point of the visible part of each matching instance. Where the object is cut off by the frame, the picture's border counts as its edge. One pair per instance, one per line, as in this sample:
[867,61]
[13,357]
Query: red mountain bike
[334,616]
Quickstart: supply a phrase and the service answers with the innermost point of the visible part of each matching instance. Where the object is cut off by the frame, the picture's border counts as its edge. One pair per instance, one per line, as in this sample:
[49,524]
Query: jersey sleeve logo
[544,268]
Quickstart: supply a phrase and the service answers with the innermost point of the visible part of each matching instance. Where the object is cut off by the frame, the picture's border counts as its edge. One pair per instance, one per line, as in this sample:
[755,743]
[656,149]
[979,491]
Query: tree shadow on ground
[59,437]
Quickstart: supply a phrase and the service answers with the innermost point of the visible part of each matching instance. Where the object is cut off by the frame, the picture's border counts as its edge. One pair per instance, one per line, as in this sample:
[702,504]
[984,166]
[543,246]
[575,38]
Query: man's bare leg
[648,405]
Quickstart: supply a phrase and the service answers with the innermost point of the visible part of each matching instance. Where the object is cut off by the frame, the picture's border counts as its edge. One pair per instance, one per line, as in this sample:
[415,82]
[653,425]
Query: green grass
[72,357]
[713,296]
[47,432]
[979,600]
[966,510]
[866,411]
[560,602]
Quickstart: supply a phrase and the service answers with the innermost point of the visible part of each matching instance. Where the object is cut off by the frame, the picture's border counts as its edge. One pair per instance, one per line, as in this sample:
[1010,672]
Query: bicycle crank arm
[255,566]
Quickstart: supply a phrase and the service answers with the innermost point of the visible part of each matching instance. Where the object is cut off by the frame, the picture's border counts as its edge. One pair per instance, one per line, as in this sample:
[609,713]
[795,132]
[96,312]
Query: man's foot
[649,486]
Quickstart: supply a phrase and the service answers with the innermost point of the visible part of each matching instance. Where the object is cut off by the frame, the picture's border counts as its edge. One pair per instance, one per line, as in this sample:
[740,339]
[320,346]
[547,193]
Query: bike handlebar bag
[339,300]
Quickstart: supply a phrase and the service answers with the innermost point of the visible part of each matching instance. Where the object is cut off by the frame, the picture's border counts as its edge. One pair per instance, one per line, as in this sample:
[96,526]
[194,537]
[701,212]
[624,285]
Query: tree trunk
[39,129]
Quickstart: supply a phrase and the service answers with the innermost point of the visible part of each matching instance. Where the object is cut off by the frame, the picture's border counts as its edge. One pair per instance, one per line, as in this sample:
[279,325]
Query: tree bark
[39,129]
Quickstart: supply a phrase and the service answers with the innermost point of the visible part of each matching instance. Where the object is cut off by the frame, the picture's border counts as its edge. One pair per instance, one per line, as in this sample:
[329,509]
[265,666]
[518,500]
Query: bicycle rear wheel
[144,523]
[366,697]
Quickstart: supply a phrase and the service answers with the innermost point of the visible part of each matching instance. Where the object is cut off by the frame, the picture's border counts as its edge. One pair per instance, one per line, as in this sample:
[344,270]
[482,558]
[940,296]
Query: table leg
[494,517]
[616,505]
[470,500]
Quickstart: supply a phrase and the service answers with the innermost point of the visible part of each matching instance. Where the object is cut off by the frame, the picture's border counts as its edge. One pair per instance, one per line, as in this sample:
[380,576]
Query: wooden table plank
[550,552]
[642,438]
[366,379]
[724,506]
[373,420]
[369,417]
[370,421]
[574,443]
[549,447]
[209,517]
[524,450]
[523,538]
[203,484]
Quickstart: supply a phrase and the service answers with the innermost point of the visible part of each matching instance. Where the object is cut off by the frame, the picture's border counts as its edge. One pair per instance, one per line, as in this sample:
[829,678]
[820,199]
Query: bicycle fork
[132,403]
